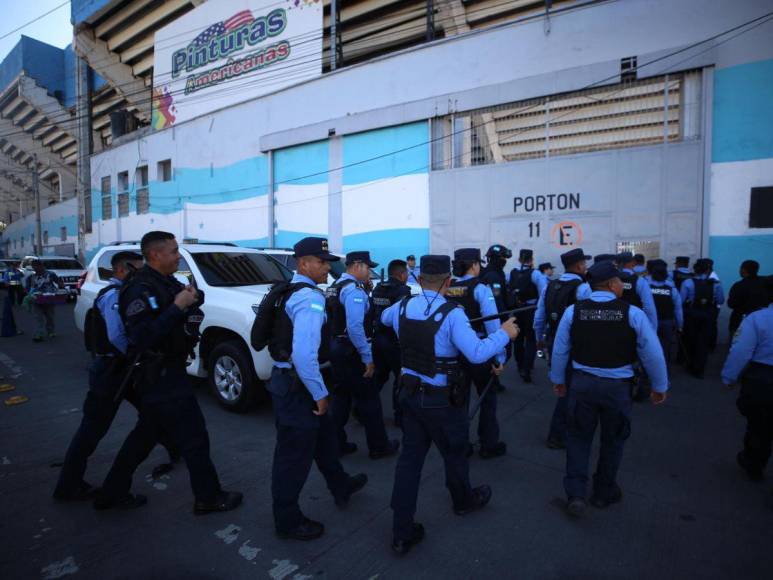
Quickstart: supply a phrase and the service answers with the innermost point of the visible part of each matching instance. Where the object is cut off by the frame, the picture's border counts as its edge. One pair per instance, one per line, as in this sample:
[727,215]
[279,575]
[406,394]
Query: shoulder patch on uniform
[317,307]
[115,306]
[496,285]
[358,300]
[135,307]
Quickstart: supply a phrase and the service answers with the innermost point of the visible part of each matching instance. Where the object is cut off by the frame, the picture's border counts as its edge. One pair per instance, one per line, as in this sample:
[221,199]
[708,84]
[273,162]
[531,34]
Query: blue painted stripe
[729,251]
[369,156]
[742,114]
[387,245]
[302,165]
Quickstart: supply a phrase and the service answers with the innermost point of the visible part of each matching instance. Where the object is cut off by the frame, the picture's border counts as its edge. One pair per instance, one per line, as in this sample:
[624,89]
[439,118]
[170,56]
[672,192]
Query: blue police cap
[525,255]
[573,256]
[314,247]
[603,258]
[467,254]
[657,265]
[435,264]
[545,266]
[602,271]
[624,257]
[363,257]
[683,261]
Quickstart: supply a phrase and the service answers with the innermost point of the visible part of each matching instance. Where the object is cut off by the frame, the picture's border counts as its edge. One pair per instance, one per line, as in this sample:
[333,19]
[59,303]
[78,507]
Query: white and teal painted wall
[59,225]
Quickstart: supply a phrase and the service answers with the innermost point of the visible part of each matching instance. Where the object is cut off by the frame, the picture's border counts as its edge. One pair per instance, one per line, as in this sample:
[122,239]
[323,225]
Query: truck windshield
[240,269]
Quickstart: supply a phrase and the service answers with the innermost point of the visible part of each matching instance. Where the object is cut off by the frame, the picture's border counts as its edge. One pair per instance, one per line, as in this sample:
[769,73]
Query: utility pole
[83,114]
[430,21]
[335,35]
[36,193]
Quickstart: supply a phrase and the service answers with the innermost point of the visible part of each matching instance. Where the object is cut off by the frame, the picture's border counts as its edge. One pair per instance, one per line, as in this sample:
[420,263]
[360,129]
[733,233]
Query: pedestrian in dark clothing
[747,295]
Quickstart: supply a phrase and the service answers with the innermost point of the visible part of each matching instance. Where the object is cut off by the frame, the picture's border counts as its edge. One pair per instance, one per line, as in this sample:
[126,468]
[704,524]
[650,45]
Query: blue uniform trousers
[755,402]
[99,410]
[666,331]
[525,346]
[429,418]
[181,419]
[591,401]
[697,337]
[386,356]
[488,426]
[354,389]
[301,437]
[558,420]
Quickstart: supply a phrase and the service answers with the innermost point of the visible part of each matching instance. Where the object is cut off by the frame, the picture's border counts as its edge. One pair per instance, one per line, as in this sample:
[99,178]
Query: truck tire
[232,378]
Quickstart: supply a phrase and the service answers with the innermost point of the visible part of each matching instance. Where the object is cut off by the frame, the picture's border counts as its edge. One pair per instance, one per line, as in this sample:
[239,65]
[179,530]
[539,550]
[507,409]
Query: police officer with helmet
[526,285]
[601,338]
[556,298]
[493,276]
[477,300]
[386,348]
[751,360]
[433,333]
[299,342]
[347,307]
[109,344]
[162,319]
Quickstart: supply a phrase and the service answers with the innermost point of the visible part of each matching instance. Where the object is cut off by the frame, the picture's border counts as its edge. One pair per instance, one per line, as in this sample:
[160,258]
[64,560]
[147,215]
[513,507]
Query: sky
[53,29]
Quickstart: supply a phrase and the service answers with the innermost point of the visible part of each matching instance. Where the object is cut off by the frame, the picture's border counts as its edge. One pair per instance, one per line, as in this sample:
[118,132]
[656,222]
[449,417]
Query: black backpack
[94,327]
[521,286]
[263,327]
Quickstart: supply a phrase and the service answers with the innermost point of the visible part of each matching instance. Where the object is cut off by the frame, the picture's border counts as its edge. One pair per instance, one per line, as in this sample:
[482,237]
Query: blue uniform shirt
[356,305]
[107,305]
[647,302]
[540,321]
[647,346]
[306,309]
[688,290]
[753,343]
[675,296]
[639,269]
[453,336]
[488,307]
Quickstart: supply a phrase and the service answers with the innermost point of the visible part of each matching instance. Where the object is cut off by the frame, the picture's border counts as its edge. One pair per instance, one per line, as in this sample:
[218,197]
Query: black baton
[477,404]
[504,313]
[125,383]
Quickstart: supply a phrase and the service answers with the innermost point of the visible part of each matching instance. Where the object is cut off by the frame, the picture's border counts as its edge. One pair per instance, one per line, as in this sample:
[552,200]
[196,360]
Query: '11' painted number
[533,229]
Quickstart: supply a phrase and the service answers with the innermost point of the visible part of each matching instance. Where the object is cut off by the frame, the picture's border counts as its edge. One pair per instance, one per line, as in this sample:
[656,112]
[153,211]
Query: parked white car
[69,270]
[234,281]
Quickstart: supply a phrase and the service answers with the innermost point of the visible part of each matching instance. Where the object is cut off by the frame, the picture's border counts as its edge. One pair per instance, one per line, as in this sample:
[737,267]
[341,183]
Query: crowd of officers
[607,331]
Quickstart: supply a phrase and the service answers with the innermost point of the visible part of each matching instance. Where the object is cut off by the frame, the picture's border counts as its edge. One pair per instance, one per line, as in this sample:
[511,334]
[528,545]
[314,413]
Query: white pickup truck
[234,281]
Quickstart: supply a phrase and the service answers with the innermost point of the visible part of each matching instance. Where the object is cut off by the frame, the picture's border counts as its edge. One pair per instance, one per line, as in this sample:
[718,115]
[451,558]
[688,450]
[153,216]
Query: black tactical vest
[336,313]
[96,335]
[663,302]
[280,345]
[601,335]
[417,341]
[462,292]
[680,277]
[559,295]
[383,296]
[703,301]
[629,289]
[521,286]
[495,279]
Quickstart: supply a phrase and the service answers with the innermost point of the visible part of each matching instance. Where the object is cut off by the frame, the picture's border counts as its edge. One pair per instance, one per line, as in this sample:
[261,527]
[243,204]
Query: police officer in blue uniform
[162,319]
[640,269]
[348,307]
[601,338]
[493,275]
[700,297]
[478,300]
[300,346]
[554,300]
[751,360]
[668,303]
[109,346]
[681,271]
[546,269]
[525,285]
[636,290]
[433,396]
[386,347]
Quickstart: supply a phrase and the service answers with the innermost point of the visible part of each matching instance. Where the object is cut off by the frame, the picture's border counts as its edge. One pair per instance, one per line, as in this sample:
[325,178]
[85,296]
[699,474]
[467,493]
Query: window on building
[143,197]
[88,210]
[628,68]
[45,237]
[165,170]
[63,233]
[630,114]
[123,194]
[761,207]
[650,249]
[107,200]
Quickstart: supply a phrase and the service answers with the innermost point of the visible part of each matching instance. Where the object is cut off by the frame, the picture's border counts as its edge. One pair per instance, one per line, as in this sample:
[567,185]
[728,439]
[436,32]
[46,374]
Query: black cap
[657,265]
[499,251]
[602,271]
[525,255]
[314,247]
[603,258]
[702,265]
[624,258]
[410,257]
[363,257]
[573,256]
[435,264]
[545,266]
[467,254]
[682,261]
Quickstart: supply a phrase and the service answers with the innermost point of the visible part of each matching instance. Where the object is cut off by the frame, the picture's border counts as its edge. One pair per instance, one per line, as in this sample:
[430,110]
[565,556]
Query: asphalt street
[688,510]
